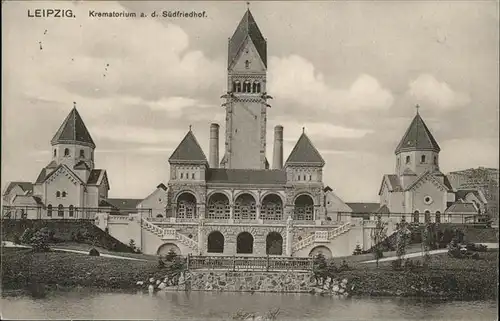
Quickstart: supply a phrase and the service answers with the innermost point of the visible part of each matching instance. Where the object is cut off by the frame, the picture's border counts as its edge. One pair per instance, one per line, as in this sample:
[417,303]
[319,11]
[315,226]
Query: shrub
[94,252]
[161,264]
[16,239]
[171,255]
[396,264]
[132,245]
[357,250]
[40,242]
[27,236]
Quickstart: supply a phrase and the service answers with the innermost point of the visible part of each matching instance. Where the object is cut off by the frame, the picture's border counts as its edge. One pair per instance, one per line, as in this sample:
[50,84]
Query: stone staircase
[169,234]
[321,237]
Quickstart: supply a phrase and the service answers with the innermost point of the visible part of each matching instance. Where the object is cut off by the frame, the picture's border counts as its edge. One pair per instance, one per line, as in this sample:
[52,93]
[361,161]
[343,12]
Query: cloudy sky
[350,72]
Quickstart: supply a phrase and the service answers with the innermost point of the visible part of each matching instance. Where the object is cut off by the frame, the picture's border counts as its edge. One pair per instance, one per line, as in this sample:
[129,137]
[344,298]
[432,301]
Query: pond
[93,304]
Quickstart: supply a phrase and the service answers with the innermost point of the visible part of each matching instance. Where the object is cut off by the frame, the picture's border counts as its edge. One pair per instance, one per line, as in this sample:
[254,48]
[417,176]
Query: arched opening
[71,211]
[435,160]
[63,194]
[82,153]
[407,159]
[304,208]
[438,217]
[416,217]
[55,152]
[218,207]
[66,152]
[321,250]
[49,210]
[244,243]
[58,194]
[244,207]
[164,249]
[247,87]
[186,206]
[60,210]
[256,87]
[272,208]
[422,159]
[274,244]
[236,86]
[159,216]
[215,242]
[427,217]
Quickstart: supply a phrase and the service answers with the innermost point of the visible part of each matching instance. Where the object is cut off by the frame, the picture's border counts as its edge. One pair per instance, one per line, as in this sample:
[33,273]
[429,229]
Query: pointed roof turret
[304,152]
[73,131]
[247,28]
[417,137]
[188,151]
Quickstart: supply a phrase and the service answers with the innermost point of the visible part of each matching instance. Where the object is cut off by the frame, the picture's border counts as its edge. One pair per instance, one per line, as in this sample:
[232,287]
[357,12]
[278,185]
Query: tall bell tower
[246,98]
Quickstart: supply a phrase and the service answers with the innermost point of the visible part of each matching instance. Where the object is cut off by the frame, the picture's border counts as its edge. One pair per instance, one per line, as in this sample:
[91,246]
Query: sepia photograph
[250,160]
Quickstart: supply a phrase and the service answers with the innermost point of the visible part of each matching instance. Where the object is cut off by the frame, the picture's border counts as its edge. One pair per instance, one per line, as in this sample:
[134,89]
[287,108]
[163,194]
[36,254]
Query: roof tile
[188,150]
[417,137]
[73,131]
[304,152]
[246,176]
[247,28]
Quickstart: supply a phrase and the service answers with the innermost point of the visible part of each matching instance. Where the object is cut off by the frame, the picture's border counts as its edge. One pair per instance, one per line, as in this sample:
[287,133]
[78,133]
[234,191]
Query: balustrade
[243,263]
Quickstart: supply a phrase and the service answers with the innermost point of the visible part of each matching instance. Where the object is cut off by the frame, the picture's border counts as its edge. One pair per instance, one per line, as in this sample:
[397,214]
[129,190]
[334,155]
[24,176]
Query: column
[257,212]
[289,237]
[200,238]
[231,211]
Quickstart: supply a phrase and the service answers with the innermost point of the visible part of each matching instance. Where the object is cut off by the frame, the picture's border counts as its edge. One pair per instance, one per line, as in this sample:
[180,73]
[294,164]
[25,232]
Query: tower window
[236,86]
[66,152]
[247,64]
[49,210]
[256,87]
[247,88]
[407,159]
[298,178]
[182,175]
[58,194]
[310,177]
[82,153]
[435,160]
[63,194]
[55,152]
[304,177]
[192,176]
[422,159]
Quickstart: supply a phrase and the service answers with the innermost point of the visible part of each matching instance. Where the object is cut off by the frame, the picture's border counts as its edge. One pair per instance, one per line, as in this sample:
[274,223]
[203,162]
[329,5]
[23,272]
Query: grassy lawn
[21,267]
[87,247]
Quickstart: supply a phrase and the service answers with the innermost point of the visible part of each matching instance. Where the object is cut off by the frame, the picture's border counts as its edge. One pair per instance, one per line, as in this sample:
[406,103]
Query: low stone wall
[251,281]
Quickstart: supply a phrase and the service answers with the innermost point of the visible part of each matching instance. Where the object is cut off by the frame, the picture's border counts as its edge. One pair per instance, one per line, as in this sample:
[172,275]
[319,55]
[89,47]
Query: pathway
[433,252]
[10,244]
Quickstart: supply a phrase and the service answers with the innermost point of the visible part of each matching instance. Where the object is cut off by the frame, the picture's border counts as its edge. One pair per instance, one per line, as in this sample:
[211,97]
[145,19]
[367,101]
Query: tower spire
[248,5]
[417,107]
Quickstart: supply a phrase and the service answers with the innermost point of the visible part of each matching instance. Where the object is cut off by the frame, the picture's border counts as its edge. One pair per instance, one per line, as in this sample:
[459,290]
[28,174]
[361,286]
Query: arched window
[304,208]
[407,159]
[247,87]
[247,64]
[186,206]
[435,160]
[310,177]
[49,210]
[427,217]
[244,243]
[64,194]
[271,208]
[245,207]
[218,207]
[71,210]
[215,242]
[58,194]
[82,153]
[422,159]
[256,87]
[182,175]
[159,216]
[60,210]
[192,176]
[66,152]
[274,244]
[416,217]
[438,217]
[55,152]
[237,86]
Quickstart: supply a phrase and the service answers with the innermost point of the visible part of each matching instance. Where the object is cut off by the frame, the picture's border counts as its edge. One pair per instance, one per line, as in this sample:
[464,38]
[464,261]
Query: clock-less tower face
[245,105]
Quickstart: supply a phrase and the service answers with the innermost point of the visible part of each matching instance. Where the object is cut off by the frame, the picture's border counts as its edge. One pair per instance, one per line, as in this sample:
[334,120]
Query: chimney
[278,147]
[214,146]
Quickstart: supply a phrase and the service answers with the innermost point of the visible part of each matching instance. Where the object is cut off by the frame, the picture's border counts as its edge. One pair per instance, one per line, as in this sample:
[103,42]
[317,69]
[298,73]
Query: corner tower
[72,144]
[246,107]
[417,151]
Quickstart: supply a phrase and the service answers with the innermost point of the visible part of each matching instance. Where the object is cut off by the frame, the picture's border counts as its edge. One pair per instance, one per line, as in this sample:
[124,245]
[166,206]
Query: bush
[16,239]
[40,241]
[171,255]
[94,252]
[396,265]
[357,250]
[161,264]
[27,236]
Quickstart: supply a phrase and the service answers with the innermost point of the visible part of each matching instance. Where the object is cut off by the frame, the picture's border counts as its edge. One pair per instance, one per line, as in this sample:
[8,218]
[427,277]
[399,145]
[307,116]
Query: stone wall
[252,281]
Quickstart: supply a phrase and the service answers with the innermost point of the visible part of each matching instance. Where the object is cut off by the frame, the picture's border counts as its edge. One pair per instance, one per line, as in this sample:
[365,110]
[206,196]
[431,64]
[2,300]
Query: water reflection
[84,304]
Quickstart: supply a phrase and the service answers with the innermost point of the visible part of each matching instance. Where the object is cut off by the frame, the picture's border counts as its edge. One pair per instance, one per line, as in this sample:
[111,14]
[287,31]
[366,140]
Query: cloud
[294,78]
[142,135]
[428,89]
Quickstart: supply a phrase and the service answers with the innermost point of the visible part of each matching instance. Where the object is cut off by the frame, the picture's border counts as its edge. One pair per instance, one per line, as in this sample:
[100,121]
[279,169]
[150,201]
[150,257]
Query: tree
[40,241]
[171,255]
[131,244]
[378,235]
[403,236]
[428,240]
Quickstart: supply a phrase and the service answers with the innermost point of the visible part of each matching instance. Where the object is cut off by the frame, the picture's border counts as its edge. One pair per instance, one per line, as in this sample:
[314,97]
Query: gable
[248,52]
[334,203]
[63,171]
[424,177]
[157,197]
[188,151]
[304,152]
